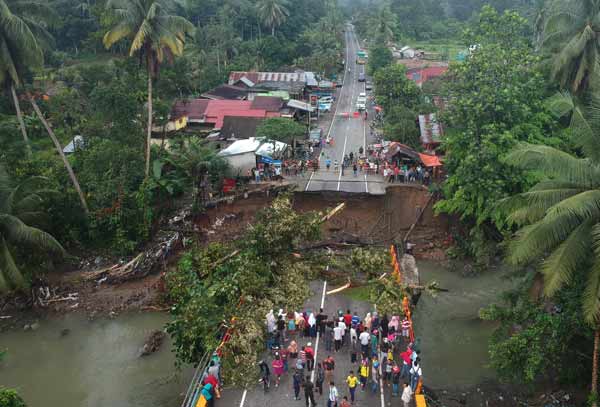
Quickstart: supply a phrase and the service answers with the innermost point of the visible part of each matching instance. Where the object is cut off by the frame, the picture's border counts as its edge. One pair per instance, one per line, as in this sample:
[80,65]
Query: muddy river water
[454,340]
[96,364]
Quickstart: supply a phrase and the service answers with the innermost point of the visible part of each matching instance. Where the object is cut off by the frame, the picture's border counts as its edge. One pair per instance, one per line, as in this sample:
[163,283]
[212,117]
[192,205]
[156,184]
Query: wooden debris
[339,289]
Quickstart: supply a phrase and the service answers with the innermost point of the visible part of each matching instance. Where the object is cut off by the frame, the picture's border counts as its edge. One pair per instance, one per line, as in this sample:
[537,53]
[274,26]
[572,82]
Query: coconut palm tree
[154,34]
[572,34]
[18,50]
[18,206]
[22,32]
[384,24]
[559,217]
[273,13]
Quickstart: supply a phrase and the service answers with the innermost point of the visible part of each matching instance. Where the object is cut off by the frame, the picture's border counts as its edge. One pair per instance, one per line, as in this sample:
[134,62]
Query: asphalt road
[284,394]
[347,134]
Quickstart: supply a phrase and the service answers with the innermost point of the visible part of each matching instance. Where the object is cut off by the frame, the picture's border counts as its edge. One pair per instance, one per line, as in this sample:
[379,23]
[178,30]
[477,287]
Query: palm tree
[559,217]
[273,13]
[154,35]
[385,24]
[18,206]
[19,49]
[21,33]
[572,34]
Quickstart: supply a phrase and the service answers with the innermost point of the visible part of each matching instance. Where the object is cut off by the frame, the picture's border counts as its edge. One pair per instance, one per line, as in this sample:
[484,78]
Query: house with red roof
[421,75]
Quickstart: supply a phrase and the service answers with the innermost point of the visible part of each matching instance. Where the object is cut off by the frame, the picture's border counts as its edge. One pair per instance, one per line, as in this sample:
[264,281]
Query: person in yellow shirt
[352,381]
[364,374]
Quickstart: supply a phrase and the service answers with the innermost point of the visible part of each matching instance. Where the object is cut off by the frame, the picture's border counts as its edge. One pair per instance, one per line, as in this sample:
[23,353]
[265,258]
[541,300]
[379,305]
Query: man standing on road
[329,365]
[321,321]
[364,338]
[297,378]
[333,395]
[352,381]
[338,335]
[328,163]
[309,392]
[310,357]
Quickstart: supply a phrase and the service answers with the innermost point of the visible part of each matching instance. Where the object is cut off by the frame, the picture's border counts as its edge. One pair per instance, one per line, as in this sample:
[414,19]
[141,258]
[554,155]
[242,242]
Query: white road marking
[309,180]
[312,374]
[366,184]
[243,398]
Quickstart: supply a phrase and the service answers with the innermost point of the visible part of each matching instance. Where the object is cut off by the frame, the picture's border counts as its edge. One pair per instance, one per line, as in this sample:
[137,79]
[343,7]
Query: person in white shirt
[333,395]
[364,339]
[406,395]
[353,337]
[342,325]
[338,334]
[415,374]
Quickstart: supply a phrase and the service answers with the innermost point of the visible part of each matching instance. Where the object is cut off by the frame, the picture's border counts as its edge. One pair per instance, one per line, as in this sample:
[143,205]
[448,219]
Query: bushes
[10,398]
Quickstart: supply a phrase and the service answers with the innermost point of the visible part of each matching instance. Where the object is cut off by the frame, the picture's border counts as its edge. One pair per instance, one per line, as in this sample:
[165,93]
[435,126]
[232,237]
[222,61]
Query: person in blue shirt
[207,392]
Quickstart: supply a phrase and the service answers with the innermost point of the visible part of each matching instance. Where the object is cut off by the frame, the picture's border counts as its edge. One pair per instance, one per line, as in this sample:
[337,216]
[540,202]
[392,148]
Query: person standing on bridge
[328,163]
[406,395]
[277,365]
[297,381]
[310,357]
[355,170]
[333,395]
[309,392]
[352,381]
[320,378]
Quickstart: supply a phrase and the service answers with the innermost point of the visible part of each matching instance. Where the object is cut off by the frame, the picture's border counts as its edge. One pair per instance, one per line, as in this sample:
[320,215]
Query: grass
[358,293]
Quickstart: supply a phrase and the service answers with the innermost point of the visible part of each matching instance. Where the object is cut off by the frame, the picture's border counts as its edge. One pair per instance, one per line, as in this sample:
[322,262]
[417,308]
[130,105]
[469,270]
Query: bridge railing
[193,391]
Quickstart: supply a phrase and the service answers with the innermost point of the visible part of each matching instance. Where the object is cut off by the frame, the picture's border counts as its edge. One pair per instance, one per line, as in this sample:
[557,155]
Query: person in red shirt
[310,357]
[406,362]
[348,322]
[396,174]
[215,384]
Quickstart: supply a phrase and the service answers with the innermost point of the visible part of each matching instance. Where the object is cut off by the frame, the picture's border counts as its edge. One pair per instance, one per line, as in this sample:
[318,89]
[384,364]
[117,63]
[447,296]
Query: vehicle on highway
[361,102]
[368,86]
[361,77]
[362,95]
[324,107]
[326,99]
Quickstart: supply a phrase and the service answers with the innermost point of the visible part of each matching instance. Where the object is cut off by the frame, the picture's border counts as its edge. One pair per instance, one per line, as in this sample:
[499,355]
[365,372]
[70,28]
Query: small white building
[243,155]
[407,52]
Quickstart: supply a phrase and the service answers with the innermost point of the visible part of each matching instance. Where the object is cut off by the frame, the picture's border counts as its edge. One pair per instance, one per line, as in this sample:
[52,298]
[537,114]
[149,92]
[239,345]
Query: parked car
[368,86]
[361,77]
[326,99]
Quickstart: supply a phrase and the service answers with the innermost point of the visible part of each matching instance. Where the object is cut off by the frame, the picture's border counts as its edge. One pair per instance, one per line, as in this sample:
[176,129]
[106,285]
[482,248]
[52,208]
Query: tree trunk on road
[149,135]
[20,119]
[595,367]
[66,163]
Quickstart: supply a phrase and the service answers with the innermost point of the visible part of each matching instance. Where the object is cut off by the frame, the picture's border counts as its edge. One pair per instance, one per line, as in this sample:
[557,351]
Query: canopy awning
[430,160]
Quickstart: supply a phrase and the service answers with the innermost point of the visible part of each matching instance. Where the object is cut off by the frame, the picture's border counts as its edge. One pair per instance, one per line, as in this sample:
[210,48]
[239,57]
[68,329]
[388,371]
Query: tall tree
[18,205]
[19,49]
[572,34]
[154,34]
[559,220]
[273,13]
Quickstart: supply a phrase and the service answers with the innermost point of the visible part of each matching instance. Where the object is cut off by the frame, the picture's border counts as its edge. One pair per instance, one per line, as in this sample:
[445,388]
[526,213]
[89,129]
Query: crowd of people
[406,174]
[378,347]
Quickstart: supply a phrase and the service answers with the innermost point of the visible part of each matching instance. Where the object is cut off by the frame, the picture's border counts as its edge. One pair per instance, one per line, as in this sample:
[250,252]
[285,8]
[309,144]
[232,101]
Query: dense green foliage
[497,100]
[19,208]
[534,338]
[401,100]
[211,286]
[10,398]
[280,129]
[113,101]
